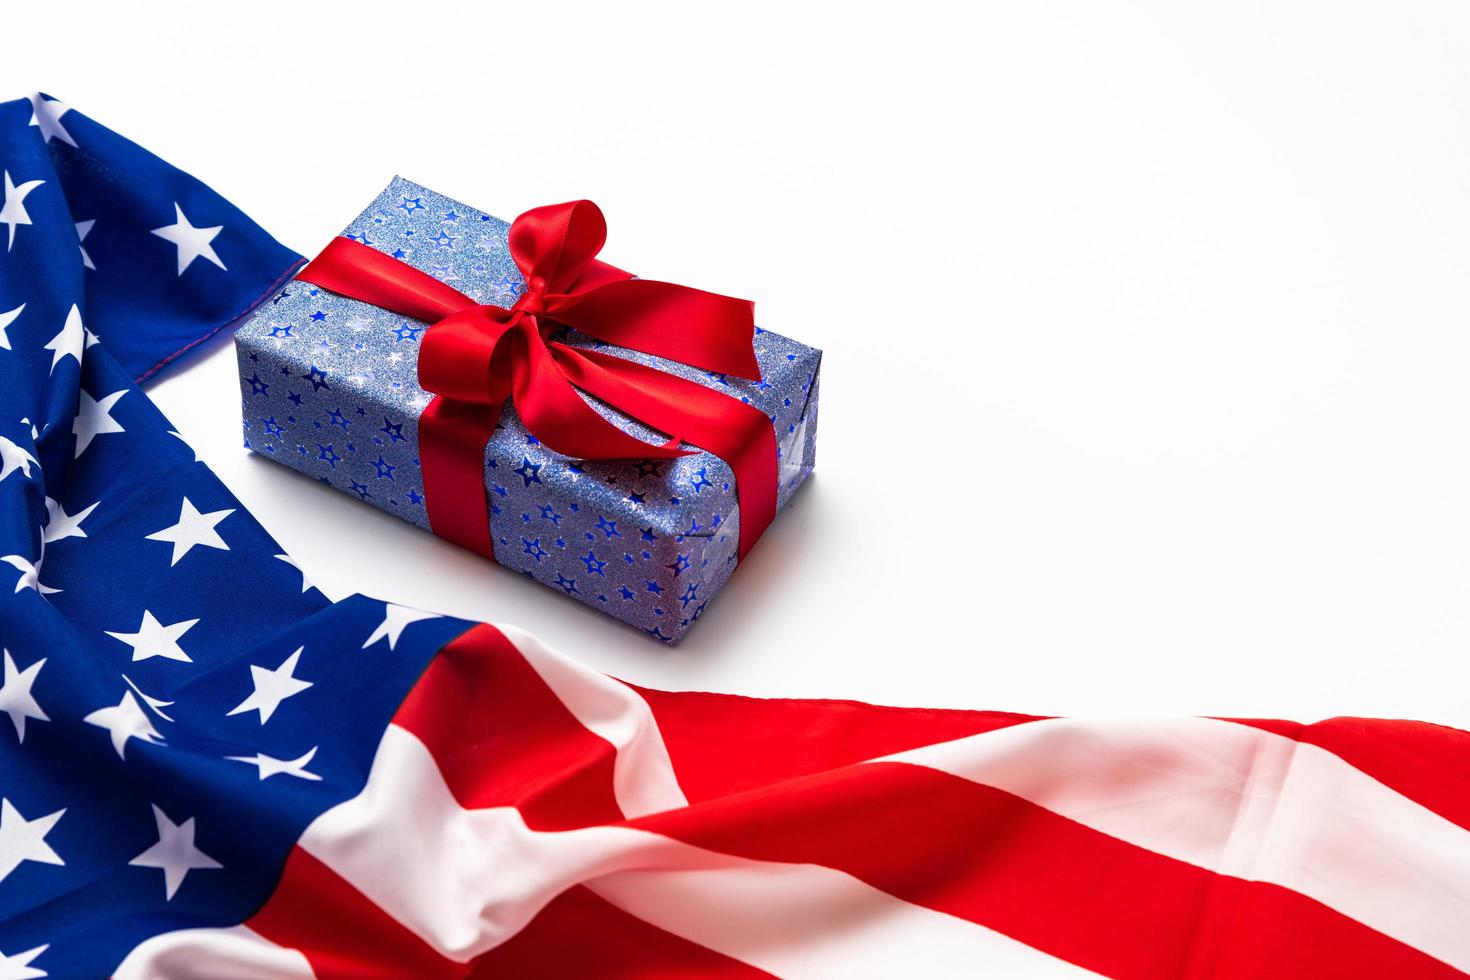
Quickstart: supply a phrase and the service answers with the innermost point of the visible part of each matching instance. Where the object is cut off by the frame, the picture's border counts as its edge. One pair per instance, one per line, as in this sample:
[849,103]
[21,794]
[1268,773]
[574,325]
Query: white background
[1146,340]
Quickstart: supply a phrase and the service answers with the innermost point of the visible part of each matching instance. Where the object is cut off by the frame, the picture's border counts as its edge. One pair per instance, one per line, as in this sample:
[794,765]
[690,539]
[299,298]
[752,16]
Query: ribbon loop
[456,357]
[552,244]
[474,357]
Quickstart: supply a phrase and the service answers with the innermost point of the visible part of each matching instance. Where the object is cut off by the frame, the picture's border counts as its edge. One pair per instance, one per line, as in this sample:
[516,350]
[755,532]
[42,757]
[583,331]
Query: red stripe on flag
[502,738]
[725,743]
[1421,761]
[343,934]
[582,935]
[989,857]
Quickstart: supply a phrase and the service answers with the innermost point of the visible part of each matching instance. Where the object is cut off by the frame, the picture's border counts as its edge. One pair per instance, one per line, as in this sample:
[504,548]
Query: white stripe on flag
[236,953]
[467,880]
[804,920]
[1245,802]
[643,776]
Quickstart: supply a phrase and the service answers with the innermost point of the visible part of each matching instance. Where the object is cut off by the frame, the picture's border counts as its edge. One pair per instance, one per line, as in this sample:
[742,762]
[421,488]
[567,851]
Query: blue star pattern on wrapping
[673,522]
[529,471]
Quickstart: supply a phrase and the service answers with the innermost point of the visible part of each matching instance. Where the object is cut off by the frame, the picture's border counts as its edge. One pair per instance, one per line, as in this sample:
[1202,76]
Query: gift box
[331,387]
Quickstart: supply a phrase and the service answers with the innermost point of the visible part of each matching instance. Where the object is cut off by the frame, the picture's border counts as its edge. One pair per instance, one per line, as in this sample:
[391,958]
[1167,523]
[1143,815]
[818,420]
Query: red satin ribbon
[473,357]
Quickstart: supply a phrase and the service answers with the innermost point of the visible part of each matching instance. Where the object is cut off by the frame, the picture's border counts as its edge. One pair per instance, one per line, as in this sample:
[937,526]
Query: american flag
[211,770]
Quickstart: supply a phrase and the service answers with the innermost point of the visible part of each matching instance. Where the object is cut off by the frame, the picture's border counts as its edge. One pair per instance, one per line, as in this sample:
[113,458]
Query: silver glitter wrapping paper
[329,386]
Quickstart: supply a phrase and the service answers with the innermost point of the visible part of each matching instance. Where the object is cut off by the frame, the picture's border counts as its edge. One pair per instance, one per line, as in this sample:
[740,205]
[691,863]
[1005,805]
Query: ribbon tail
[738,433]
[557,415]
[705,330]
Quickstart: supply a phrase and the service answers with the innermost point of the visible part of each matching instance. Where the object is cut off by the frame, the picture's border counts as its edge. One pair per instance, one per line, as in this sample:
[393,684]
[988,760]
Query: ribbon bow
[476,356]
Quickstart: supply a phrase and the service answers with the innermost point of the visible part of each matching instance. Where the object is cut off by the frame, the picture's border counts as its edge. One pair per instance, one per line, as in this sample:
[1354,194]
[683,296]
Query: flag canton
[179,702]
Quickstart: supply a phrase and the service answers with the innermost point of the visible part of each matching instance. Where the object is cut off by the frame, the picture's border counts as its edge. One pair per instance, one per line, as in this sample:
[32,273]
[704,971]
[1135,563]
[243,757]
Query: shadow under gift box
[330,388]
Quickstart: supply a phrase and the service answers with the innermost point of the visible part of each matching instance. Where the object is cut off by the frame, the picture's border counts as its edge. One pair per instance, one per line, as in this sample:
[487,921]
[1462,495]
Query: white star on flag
[46,114]
[174,853]
[30,575]
[271,688]
[179,437]
[395,618]
[192,242]
[16,699]
[13,458]
[84,228]
[271,766]
[14,211]
[68,343]
[18,966]
[193,529]
[60,524]
[305,585]
[154,639]
[25,840]
[6,319]
[153,703]
[124,721]
[94,418]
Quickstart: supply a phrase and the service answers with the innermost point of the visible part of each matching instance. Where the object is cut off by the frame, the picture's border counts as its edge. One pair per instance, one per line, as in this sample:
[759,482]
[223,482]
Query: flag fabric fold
[207,768]
[160,262]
